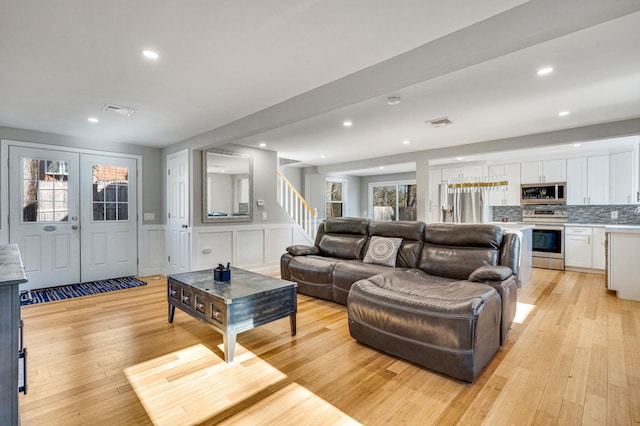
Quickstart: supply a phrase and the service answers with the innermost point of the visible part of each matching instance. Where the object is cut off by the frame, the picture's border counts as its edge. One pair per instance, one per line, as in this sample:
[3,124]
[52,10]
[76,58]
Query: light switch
[614,214]
[260,203]
[264,215]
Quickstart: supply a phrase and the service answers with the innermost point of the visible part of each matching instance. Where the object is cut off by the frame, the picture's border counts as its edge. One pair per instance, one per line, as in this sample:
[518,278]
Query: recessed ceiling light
[545,71]
[576,145]
[150,54]
[263,144]
[459,158]
[92,120]
[407,142]
[381,167]
[347,123]
[393,100]
[563,113]
[322,156]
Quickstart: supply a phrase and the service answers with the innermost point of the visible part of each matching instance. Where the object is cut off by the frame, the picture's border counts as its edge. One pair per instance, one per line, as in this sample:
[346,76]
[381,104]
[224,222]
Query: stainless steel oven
[547,237]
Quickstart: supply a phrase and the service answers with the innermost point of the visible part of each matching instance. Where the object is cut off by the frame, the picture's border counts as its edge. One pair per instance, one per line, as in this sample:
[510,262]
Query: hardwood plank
[113,359]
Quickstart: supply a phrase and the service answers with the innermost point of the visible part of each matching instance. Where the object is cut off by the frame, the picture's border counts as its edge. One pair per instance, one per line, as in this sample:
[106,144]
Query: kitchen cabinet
[588,180]
[584,247]
[510,197]
[623,183]
[461,172]
[577,247]
[622,269]
[598,259]
[543,171]
[12,353]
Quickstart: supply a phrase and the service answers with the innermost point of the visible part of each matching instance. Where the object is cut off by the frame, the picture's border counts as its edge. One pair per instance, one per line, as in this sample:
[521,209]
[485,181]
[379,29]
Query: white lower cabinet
[577,246]
[584,247]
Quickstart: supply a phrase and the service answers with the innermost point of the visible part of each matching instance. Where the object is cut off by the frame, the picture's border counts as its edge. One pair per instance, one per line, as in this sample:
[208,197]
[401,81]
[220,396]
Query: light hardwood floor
[112,359]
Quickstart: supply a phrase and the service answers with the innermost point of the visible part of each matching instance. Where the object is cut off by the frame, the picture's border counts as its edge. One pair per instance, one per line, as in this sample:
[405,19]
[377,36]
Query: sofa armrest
[490,273]
[302,250]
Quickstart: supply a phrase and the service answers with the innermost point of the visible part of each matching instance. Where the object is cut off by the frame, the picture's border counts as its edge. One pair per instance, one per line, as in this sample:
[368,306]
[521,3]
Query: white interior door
[178,212]
[108,217]
[43,214]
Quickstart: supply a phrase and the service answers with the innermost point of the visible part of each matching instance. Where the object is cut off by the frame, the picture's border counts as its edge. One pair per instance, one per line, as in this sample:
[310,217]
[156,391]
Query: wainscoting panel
[251,248]
[277,239]
[254,247]
[152,253]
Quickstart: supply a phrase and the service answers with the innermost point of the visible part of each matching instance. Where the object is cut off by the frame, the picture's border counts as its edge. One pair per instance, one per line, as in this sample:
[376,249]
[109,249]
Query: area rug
[76,290]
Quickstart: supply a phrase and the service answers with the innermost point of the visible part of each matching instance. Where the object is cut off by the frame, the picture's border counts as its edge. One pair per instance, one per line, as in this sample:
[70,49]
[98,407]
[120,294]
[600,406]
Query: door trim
[4,180]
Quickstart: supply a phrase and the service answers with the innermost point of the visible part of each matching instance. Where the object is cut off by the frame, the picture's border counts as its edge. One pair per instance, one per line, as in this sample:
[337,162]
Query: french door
[72,215]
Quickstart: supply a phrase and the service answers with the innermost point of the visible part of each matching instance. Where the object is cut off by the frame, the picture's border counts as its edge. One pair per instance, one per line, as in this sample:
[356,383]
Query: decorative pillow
[490,273]
[383,251]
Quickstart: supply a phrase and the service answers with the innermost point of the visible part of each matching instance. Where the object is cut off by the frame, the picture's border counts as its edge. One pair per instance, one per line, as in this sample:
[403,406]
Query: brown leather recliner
[470,267]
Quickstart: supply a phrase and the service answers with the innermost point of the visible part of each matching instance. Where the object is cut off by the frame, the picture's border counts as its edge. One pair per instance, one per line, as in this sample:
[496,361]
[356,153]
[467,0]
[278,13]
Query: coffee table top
[243,283]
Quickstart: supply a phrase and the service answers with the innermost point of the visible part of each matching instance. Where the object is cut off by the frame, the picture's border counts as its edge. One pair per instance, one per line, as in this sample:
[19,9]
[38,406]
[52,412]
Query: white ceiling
[287,72]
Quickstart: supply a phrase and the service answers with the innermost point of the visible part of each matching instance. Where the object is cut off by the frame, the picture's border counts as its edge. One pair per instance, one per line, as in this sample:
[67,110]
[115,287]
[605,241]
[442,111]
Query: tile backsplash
[578,214]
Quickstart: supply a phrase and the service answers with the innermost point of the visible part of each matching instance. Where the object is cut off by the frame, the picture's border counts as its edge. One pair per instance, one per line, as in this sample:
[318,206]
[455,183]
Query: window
[334,197]
[393,200]
[110,193]
[44,191]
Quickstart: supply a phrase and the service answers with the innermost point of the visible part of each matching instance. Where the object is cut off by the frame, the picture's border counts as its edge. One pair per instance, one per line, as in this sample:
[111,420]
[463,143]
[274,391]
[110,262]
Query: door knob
[74,227]
[185,226]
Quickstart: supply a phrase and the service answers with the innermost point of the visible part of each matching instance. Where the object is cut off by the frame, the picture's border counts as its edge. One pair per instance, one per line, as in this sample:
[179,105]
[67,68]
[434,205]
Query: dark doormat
[51,294]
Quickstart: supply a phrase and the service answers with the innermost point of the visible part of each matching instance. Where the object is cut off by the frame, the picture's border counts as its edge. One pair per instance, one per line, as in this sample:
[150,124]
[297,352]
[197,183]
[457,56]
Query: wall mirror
[227,187]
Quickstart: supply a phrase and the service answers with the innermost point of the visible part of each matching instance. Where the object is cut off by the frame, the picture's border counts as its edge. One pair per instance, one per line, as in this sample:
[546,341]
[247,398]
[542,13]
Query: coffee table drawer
[174,291]
[218,312]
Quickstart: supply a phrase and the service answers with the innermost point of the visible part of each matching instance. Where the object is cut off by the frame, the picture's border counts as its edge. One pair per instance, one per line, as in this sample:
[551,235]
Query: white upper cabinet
[510,197]
[543,171]
[623,185]
[460,172]
[588,180]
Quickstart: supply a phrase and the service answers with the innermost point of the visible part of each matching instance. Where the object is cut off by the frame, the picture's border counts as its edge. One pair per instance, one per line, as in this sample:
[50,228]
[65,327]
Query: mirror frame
[205,193]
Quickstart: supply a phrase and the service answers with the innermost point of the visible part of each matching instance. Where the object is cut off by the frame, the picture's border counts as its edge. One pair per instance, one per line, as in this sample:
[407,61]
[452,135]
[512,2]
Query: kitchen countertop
[623,228]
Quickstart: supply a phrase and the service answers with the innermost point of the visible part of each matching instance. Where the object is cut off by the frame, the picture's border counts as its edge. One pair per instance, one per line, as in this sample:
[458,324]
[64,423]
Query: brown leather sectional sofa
[447,303]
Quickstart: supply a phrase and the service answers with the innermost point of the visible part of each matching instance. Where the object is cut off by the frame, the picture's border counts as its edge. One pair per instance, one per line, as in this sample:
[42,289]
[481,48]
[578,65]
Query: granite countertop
[593,225]
[11,270]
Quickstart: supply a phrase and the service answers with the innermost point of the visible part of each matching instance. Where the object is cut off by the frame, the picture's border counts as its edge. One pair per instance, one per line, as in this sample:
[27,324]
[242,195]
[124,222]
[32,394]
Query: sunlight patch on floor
[522,312]
[194,384]
[292,405]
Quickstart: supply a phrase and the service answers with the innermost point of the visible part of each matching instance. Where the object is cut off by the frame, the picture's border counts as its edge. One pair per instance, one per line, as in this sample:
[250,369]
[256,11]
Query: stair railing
[296,206]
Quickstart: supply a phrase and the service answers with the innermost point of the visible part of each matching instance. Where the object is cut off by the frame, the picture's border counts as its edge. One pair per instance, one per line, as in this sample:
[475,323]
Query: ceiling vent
[122,110]
[439,122]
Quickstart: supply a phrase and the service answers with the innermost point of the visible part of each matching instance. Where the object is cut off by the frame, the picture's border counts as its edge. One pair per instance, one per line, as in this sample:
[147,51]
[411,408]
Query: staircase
[296,206]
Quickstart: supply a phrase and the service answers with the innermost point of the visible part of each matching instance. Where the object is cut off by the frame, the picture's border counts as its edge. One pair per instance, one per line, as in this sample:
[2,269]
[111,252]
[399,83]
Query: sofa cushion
[342,246]
[316,269]
[347,225]
[491,273]
[382,251]
[347,272]
[455,250]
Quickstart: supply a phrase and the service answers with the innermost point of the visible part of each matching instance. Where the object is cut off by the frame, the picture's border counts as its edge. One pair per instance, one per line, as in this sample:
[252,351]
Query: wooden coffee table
[231,307]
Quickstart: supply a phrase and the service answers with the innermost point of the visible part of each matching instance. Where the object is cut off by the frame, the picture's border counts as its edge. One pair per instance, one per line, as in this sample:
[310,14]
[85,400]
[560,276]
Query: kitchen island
[623,270]
[524,230]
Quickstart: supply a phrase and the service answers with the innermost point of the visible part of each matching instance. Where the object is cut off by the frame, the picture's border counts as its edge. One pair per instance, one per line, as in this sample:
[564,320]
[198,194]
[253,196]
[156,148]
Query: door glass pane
[384,202]
[110,192]
[44,191]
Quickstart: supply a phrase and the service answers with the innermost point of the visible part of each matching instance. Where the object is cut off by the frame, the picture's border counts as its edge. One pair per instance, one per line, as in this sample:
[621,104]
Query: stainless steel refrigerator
[466,207]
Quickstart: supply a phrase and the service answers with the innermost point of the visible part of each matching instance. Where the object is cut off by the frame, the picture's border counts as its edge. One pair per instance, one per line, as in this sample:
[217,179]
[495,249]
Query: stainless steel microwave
[543,193]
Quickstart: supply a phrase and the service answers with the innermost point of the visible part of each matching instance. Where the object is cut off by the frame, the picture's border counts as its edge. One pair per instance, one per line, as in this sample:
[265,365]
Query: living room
[279,92]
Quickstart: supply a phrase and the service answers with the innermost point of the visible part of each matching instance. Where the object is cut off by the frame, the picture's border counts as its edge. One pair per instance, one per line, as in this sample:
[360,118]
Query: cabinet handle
[589,240]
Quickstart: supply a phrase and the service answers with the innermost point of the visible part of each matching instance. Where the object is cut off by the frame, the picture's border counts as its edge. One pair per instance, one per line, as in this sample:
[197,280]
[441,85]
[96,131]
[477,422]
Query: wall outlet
[149,216]
[264,215]
[614,214]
